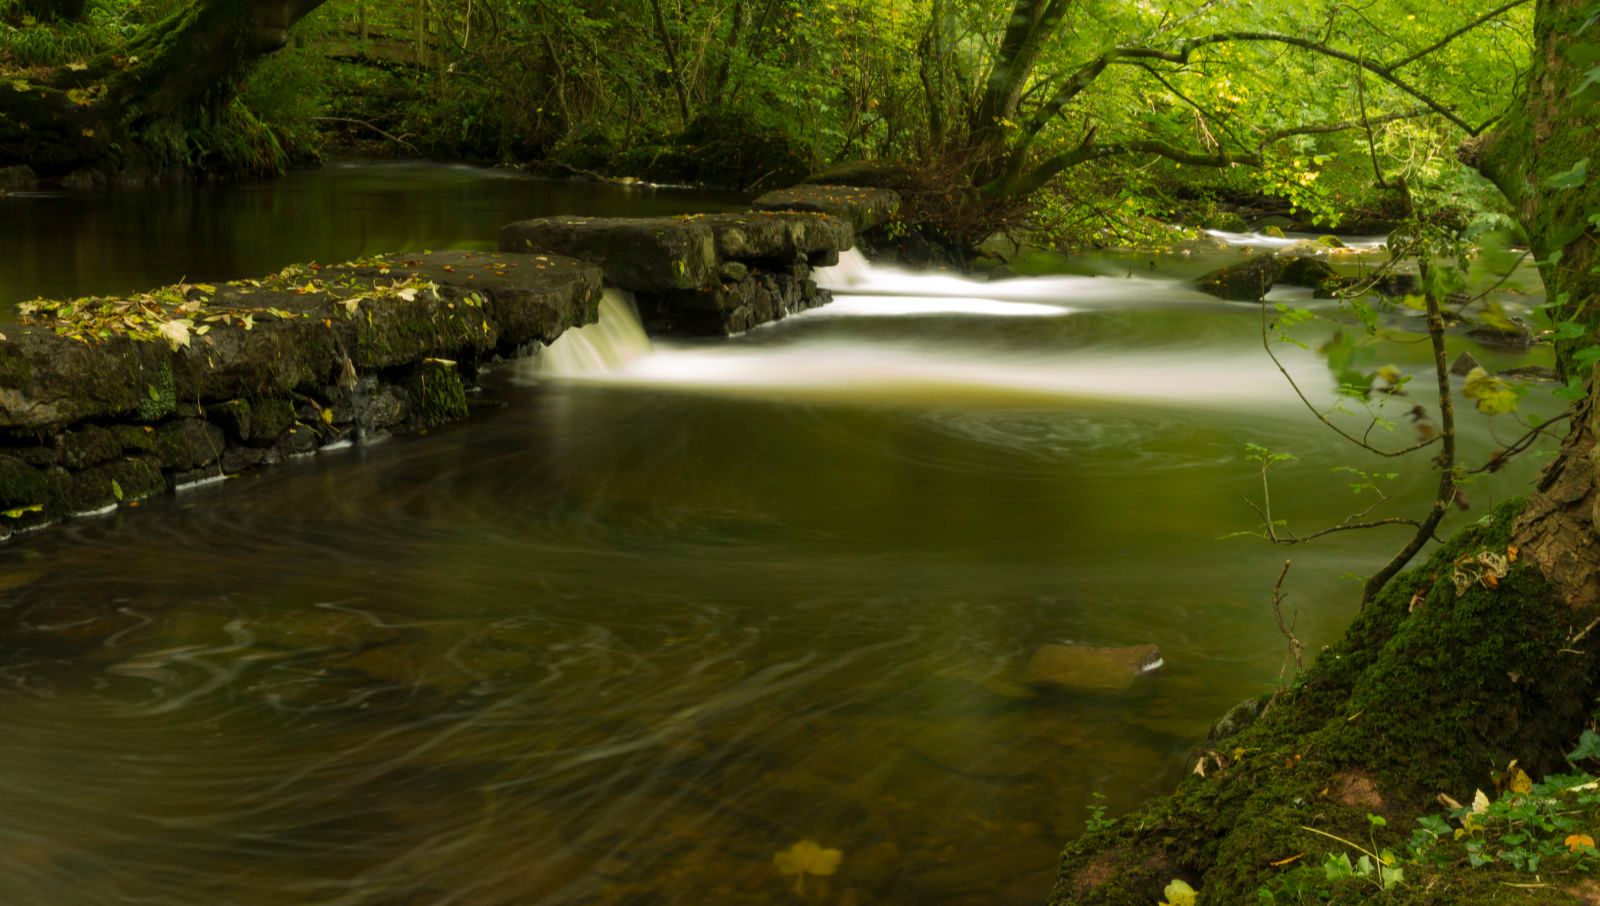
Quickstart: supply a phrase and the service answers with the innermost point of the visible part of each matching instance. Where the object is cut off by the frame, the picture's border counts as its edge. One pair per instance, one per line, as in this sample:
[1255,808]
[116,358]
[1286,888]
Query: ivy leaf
[1571,179]
[1588,747]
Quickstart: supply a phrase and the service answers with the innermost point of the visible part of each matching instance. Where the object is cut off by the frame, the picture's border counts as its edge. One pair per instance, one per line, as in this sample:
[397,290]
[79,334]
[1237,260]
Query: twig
[355,122]
[1296,649]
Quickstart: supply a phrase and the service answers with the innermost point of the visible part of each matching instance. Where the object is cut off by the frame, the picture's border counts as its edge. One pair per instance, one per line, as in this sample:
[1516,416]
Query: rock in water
[1247,282]
[1463,365]
[1089,668]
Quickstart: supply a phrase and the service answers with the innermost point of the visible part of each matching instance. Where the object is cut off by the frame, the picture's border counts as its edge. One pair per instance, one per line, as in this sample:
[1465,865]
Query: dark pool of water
[69,244]
[622,638]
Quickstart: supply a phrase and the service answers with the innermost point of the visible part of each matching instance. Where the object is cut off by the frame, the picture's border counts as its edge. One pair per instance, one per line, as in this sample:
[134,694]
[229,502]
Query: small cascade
[605,347]
[1265,241]
[852,270]
[863,288]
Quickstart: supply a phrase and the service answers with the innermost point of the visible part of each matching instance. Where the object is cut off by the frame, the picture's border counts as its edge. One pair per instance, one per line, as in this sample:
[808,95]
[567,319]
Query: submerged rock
[1313,273]
[18,178]
[1463,365]
[1510,336]
[1246,282]
[1090,668]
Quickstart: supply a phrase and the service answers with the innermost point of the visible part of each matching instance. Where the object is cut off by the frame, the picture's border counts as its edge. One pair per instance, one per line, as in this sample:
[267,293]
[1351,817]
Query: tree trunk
[192,58]
[1544,139]
[1032,24]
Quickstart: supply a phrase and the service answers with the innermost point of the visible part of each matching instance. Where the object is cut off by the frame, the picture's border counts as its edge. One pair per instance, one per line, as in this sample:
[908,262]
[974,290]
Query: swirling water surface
[656,614]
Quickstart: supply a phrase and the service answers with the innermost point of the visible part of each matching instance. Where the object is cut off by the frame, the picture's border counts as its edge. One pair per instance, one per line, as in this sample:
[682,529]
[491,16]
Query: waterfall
[604,347]
[853,269]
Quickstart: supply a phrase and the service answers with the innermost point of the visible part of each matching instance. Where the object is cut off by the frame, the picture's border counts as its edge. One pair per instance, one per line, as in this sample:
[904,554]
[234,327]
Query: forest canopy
[1075,118]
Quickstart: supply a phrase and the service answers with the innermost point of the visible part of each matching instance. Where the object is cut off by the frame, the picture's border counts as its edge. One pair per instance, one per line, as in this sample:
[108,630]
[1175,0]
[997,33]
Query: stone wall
[703,275]
[105,402]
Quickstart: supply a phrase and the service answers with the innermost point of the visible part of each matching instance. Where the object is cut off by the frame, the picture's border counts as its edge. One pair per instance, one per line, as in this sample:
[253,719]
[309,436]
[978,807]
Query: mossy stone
[21,484]
[160,398]
[232,416]
[269,419]
[188,443]
[437,394]
[87,446]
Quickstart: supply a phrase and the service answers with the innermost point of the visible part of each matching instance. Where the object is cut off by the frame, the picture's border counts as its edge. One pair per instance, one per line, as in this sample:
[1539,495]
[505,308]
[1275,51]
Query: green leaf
[1570,179]
[20,511]
[116,489]
[1588,747]
[1179,893]
[1593,78]
[1493,395]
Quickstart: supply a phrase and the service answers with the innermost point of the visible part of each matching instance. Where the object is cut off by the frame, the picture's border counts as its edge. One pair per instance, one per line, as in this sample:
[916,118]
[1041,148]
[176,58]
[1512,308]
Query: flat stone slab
[864,208]
[136,358]
[778,235]
[639,254]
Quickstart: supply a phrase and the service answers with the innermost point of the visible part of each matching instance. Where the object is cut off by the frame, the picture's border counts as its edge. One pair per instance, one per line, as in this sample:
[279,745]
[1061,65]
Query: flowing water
[659,612]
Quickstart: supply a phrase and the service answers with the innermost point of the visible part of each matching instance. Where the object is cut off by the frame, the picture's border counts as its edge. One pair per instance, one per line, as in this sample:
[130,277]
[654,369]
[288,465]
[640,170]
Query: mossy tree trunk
[91,116]
[1445,677]
[1544,140]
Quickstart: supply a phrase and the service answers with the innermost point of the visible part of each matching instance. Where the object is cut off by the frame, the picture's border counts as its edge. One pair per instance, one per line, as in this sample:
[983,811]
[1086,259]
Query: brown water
[644,623]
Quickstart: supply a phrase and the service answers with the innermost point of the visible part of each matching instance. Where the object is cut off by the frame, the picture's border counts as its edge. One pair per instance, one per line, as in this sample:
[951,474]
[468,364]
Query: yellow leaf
[1520,781]
[1480,802]
[1178,894]
[88,133]
[21,510]
[327,416]
[1292,859]
[1579,841]
[807,858]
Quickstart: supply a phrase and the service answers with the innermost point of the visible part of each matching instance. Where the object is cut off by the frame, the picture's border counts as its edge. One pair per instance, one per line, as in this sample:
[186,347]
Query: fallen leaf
[1578,841]
[1480,802]
[176,332]
[808,858]
[1289,861]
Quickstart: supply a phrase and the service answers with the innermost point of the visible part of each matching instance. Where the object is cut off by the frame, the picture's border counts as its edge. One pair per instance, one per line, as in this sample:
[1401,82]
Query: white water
[855,277]
[603,348]
[800,358]
[1263,241]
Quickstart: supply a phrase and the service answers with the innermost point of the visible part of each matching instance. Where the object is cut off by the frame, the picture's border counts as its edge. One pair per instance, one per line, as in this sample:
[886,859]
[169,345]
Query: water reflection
[65,244]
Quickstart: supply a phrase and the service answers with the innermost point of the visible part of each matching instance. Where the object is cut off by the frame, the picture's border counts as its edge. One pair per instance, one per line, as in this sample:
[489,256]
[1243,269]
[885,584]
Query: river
[659,612]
